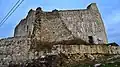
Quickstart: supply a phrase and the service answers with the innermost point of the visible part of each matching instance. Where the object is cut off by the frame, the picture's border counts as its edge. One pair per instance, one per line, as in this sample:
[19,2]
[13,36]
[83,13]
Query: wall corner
[93,6]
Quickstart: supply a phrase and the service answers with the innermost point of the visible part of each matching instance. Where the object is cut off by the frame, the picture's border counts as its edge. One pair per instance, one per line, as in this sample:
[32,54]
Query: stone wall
[86,49]
[25,27]
[13,50]
[63,31]
[64,25]
[84,23]
[19,50]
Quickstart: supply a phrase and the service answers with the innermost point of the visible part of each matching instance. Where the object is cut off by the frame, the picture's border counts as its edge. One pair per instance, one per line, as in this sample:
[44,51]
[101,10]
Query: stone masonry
[60,31]
[60,25]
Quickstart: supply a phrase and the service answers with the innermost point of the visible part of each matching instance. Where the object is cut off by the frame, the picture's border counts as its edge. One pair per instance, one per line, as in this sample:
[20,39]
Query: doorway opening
[90,39]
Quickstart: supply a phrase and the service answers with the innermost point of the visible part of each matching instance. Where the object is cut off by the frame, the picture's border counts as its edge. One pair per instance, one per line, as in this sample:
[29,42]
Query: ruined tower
[59,25]
[74,36]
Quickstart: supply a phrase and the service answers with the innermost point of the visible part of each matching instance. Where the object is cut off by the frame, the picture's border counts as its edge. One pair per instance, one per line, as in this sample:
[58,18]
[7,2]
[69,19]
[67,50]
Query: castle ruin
[58,25]
[60,31]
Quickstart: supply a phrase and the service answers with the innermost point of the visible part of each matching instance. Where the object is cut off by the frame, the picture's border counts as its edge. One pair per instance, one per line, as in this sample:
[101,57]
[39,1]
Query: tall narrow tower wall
[98,20]
[25,27]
